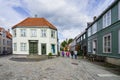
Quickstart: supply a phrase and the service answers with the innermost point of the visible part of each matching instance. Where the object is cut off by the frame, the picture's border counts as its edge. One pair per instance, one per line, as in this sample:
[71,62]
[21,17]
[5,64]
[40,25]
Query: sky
[69,16]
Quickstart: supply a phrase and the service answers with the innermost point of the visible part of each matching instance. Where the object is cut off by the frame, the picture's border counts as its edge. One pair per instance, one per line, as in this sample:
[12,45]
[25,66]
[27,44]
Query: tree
[65,43]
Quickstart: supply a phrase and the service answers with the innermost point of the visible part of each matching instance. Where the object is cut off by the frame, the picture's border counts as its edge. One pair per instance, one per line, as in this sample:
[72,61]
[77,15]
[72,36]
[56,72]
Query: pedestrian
[68,53]
[72,54]
[75,53]
[62,53]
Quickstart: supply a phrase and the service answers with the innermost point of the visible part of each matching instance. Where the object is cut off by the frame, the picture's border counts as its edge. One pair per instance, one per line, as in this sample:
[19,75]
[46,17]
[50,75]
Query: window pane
[107,43]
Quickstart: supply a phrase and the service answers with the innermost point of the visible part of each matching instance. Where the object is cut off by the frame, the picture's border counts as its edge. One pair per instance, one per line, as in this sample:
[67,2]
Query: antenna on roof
[36,15]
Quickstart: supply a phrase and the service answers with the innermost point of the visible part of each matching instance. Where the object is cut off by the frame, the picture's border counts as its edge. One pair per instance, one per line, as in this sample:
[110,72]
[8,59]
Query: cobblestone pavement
[53,69]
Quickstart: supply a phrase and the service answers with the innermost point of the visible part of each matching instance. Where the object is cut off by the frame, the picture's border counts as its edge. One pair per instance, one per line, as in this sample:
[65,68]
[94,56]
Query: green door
[33,47]
[43,49]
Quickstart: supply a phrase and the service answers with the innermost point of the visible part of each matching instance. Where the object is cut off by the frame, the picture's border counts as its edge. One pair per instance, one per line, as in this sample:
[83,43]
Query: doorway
[94,46]
[33,46]
[43,49]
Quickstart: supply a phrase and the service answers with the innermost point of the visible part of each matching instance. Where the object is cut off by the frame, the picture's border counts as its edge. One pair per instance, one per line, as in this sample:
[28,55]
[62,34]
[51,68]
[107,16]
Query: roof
[1,28]
[33,22]
[8,35]
[109,7]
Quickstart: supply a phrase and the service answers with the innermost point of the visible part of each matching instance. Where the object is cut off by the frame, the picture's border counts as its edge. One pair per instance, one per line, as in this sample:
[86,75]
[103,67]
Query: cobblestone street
[53,69]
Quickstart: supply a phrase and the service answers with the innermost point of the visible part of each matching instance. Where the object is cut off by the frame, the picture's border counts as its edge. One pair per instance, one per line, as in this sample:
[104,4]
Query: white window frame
[15,47]
[109,34]
[107,19]
[23,46]
[4,42]
[52,33]
[43,33]
[94,28]
[89,46]
[23,32]
[14,32]
[89,32]
[33,33]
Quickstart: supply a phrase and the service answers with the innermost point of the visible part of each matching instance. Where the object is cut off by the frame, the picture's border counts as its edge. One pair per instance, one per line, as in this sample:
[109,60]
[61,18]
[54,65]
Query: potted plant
[50,55]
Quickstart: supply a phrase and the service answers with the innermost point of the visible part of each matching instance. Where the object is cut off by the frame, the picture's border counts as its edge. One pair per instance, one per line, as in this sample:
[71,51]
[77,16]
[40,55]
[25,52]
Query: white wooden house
[34,36]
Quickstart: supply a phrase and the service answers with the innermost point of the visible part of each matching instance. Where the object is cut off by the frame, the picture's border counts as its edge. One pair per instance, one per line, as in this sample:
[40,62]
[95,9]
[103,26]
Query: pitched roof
[31,22]
[1,28]
[8,35]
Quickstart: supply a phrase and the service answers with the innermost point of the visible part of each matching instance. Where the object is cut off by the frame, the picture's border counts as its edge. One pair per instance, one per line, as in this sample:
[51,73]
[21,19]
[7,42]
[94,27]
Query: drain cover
[75,63]
[107,75]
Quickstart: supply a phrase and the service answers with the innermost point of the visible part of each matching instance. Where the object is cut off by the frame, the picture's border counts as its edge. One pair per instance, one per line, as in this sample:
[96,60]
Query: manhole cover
[75,63]
[107,75]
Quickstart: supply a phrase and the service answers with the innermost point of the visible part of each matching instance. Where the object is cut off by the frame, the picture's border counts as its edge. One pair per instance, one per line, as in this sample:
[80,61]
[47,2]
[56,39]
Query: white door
[94,46]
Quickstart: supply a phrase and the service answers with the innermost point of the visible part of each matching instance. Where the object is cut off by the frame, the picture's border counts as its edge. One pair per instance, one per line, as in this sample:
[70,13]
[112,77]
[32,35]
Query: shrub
[50,55]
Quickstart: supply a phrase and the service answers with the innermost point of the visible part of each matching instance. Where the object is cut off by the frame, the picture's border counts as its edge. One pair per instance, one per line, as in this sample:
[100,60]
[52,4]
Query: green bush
[50,55]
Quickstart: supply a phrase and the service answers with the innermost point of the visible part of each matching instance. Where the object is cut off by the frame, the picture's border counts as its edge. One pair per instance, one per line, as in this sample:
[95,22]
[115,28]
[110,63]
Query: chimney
[94,18]
[36,16]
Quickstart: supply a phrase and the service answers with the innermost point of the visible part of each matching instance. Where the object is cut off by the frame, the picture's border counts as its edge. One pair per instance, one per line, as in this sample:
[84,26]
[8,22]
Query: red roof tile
[8,35]
[31,22]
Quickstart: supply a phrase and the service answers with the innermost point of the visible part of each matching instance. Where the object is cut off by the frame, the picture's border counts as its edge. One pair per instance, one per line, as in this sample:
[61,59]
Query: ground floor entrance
[43,48]
[33,46]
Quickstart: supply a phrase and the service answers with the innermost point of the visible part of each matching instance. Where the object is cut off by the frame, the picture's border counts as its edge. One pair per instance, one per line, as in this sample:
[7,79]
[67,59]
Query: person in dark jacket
[72,53]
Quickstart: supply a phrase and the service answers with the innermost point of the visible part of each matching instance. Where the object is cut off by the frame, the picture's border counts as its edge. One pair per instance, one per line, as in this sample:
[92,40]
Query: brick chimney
[94,18]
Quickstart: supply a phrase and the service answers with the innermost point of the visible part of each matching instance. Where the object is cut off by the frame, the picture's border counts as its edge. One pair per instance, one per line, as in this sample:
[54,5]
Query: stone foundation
[113,61]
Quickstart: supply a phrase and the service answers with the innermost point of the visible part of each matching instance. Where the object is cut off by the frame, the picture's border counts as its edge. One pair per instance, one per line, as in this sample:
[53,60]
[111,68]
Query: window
[23,32]
[84,36]
[89,32]
[52,33]
[43,32]
[94,28]
[3,41]
[15,46]
[53,48]
[8,42]
[33,33]
[107,19]
[14,32]
[23,46]
[89,46]
[107,43]
[4,34]
[81,38]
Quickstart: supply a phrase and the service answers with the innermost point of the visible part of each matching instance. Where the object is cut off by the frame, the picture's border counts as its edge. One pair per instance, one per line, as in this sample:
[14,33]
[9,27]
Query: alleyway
[53,69]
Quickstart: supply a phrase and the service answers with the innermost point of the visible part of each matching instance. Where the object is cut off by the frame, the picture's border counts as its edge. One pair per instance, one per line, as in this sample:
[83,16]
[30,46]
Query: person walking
[63,53]
[75,53]
[72,53]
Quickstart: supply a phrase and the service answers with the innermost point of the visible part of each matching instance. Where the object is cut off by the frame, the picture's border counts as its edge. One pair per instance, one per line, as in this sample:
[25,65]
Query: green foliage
[70,40]
[50,54]
[80,52]
[65,43]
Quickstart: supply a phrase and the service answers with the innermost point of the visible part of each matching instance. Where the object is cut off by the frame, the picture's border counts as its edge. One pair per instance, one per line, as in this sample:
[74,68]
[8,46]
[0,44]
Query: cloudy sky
[69,16]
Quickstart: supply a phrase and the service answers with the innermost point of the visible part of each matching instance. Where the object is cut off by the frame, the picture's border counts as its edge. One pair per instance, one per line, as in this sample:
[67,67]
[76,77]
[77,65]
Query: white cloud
[69,16]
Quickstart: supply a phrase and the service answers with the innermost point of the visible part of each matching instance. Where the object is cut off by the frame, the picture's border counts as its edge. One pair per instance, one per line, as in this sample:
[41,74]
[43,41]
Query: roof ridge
[35,22]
